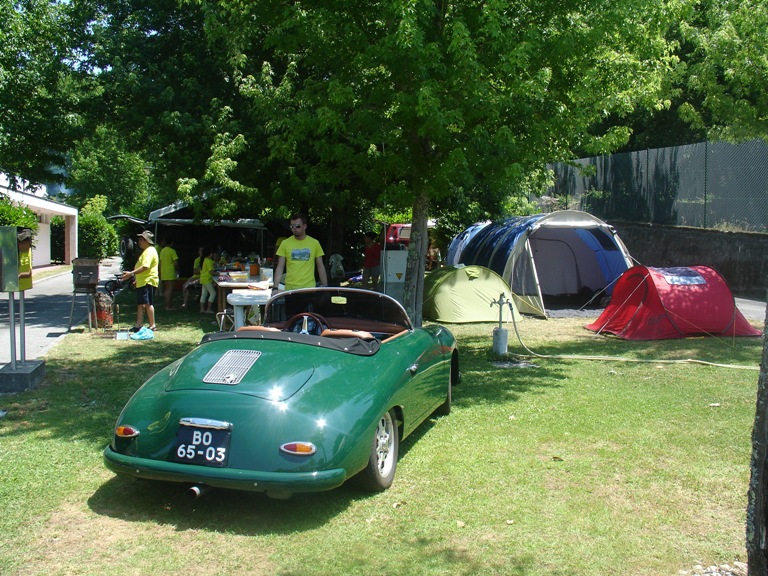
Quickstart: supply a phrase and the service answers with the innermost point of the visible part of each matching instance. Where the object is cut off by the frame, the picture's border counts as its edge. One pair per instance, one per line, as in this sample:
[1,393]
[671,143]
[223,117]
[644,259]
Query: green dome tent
[462,294]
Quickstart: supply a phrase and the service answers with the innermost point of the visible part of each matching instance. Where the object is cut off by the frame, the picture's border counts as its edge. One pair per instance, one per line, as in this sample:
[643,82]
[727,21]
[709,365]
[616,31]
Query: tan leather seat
[258,329]
[344,333]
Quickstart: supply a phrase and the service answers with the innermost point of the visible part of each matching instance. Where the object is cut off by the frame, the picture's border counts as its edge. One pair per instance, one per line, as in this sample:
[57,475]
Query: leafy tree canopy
[11,214]
[434,105]
[727,69]
[716,90]
[100,165]
[41,88]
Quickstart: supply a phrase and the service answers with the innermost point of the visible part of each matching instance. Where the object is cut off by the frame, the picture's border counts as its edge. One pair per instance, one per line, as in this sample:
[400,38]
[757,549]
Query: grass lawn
[561,466]
[52,270]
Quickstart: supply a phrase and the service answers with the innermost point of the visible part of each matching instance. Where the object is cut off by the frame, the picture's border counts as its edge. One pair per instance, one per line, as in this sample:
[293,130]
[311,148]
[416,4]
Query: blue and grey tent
[460,242]
[560,254]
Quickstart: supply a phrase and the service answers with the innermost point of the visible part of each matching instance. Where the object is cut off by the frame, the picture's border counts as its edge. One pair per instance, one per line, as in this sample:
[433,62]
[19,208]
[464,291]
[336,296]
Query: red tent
[658,303]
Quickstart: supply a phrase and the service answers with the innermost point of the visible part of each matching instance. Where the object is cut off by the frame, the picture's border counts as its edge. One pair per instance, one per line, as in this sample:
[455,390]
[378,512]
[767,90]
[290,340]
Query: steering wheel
[307,323]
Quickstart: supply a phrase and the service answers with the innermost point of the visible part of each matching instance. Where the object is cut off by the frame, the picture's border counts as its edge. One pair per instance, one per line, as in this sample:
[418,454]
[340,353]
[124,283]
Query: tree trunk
[417,258]
[757,547]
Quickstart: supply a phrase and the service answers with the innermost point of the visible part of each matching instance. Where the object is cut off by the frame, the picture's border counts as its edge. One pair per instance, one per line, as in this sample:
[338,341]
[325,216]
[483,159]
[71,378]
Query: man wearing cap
[147,279]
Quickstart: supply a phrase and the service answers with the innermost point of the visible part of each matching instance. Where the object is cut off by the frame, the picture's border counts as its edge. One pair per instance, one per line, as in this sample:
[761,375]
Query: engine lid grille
[232,367]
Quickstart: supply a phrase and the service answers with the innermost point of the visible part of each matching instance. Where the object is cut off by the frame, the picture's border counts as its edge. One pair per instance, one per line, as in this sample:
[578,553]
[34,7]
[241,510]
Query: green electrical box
[9,259]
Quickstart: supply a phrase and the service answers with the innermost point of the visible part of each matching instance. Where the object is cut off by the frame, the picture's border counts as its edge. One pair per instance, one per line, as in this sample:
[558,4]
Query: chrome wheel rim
[385,445]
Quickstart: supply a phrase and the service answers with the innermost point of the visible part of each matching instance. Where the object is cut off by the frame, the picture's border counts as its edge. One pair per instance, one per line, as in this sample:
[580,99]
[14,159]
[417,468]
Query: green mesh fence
[707,185]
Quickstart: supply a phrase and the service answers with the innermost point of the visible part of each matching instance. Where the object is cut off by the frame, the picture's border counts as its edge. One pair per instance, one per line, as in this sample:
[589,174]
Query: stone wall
[741,257]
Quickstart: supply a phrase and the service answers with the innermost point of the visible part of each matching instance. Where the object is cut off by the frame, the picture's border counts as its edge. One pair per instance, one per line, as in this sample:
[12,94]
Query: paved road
[47,306]
[751,309]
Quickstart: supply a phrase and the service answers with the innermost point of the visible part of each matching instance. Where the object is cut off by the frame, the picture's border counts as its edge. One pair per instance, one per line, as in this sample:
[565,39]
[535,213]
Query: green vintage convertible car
[322,392]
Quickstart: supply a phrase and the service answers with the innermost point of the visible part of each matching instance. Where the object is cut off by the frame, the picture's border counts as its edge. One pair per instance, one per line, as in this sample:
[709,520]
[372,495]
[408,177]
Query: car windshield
[338,303]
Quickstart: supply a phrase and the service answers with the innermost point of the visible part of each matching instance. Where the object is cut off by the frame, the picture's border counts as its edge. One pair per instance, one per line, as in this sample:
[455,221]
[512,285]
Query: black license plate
[204,446]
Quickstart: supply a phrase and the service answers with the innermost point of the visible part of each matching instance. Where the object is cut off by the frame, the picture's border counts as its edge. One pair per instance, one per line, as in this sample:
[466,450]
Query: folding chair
[226,320]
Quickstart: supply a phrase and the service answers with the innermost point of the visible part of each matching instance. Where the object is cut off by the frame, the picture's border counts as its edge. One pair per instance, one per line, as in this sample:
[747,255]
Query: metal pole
[500,335]
[535,274]
[649,194]
[12,322]
[706,174]
[22,329]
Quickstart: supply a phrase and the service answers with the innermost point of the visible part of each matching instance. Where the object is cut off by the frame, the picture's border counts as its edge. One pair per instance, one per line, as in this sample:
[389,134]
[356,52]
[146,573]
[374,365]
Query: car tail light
[299,448]
[126,432]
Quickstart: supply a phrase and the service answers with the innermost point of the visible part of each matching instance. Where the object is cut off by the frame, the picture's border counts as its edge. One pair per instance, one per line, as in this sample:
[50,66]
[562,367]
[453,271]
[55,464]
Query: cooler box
[85,274]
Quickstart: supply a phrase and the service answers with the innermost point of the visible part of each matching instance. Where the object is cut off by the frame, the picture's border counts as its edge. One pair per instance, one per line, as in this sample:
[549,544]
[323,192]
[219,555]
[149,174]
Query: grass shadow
[220,510]
[484,381]
[254,514]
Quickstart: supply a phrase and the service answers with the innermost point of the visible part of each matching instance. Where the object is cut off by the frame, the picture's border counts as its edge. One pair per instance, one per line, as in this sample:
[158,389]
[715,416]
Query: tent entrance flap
[527,293]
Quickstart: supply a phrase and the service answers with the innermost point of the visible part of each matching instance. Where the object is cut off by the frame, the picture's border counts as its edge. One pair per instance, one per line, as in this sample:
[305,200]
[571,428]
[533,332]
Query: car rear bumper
[278,484]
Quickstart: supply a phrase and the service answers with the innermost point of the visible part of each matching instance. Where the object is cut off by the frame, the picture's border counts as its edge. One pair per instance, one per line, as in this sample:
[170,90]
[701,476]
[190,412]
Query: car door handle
[413,368]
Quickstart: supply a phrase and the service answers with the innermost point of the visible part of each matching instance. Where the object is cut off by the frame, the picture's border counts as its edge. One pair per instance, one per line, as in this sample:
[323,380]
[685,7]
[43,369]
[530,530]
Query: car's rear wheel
[382,462]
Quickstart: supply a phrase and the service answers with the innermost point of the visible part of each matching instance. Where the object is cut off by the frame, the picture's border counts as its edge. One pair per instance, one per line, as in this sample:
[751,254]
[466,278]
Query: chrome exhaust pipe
[196,492]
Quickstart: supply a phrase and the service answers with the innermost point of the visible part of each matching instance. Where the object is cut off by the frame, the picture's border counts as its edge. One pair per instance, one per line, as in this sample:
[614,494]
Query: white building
[36,199]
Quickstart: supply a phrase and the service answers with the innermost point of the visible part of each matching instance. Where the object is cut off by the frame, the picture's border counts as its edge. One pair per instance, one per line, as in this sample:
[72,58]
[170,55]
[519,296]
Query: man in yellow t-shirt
[147,279]
[169,271]
[300,255]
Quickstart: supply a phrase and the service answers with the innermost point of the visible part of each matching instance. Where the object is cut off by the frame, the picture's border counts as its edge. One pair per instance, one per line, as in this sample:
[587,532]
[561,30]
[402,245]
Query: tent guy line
[532,354]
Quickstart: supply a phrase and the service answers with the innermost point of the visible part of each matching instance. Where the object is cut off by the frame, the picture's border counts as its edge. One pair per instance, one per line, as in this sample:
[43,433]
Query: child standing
[208,291]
